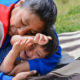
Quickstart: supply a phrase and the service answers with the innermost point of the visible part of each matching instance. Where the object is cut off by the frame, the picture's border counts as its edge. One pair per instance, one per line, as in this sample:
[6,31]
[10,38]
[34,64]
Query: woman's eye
[23,23]
[33,32]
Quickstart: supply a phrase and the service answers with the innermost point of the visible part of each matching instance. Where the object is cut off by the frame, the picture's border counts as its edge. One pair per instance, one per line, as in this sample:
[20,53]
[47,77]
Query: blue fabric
[3,52]
[5,49]
[5,77]
[45,65]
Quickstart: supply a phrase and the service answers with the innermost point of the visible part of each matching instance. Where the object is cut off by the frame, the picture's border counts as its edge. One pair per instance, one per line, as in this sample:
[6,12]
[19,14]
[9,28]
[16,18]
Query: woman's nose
[20,31]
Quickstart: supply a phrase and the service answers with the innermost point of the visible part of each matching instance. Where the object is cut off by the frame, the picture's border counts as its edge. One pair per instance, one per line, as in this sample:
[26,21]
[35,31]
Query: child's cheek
[22,55]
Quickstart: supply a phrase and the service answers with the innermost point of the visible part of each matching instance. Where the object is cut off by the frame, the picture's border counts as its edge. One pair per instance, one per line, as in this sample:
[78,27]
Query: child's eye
[39,54]
[32,47]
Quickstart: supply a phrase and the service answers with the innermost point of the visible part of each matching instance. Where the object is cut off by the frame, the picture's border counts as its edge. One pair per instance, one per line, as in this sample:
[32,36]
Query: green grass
[68,18]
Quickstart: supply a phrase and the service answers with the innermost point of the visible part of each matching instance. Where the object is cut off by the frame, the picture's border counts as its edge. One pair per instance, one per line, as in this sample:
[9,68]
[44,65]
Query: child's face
[33,52]
[23,21]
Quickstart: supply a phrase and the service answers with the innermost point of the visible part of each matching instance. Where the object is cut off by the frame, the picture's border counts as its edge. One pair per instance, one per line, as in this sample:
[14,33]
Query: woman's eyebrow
[26,21]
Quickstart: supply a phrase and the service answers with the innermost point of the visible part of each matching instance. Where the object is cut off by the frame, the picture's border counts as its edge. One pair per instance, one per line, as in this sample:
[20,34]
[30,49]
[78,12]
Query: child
[27,47]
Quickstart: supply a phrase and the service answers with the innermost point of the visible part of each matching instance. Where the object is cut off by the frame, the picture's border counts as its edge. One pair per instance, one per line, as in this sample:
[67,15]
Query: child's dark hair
[52,46]
[45,9]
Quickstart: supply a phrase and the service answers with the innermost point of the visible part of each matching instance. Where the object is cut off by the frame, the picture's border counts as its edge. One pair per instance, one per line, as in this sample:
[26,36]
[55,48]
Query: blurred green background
[68,18]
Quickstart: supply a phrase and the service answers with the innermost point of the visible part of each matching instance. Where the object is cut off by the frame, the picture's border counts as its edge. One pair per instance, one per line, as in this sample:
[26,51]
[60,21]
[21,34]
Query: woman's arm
[15,39]
[19,68]
[19,76]
[39,38]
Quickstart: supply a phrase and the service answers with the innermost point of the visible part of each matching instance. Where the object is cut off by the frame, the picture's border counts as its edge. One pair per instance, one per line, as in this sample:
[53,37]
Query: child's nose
[30,54]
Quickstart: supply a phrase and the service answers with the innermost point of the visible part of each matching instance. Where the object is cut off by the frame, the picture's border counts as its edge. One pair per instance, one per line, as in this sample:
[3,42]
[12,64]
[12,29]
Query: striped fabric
[70,43]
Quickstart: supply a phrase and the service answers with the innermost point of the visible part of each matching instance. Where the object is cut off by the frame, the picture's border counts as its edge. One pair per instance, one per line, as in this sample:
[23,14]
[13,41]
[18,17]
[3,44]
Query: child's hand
[24,75]
[41,39]
[23,44]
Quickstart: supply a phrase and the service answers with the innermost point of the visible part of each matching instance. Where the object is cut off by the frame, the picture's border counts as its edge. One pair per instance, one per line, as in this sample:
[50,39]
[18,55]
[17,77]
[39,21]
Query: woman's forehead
[32,19]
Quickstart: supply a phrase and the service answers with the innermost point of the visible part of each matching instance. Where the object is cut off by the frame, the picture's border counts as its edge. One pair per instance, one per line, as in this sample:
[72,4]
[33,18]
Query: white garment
[1,34]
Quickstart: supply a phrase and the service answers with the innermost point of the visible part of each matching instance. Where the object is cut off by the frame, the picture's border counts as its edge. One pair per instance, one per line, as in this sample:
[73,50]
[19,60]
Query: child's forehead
[38,48]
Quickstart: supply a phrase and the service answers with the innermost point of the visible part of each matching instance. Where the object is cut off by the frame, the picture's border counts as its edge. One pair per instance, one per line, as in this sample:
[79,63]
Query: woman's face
[33,52]
[23,21]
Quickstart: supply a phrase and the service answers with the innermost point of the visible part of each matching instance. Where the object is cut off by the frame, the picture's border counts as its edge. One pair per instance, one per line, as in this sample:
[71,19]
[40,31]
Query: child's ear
[19,3]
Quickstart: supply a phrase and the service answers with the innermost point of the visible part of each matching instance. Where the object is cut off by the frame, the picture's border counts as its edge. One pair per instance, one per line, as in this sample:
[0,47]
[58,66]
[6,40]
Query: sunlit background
[68,18]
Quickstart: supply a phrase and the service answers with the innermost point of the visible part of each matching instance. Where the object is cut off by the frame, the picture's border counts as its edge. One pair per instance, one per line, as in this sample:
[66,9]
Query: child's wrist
[15,51]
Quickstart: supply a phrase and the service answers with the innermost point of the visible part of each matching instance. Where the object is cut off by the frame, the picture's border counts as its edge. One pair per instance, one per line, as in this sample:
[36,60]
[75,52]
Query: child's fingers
[43,43]
[43,40]
[17,43]
[49,37]
[29,41]
[23,41]
[29,45]
[36,38]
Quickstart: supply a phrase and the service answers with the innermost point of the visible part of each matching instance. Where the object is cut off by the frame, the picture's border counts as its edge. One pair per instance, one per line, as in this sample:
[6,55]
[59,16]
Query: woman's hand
[41,39]
[24,75]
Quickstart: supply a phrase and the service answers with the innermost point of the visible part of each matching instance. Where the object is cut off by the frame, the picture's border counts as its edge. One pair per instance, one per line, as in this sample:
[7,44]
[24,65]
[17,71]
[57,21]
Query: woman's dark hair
[45,9]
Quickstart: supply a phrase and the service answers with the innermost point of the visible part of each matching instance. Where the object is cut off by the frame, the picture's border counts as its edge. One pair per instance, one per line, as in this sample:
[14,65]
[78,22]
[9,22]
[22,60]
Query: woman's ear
[19,3]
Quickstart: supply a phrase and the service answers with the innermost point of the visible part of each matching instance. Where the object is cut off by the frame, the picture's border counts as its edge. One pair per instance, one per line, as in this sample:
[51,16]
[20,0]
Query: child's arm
[8,63]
